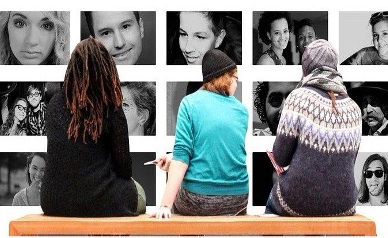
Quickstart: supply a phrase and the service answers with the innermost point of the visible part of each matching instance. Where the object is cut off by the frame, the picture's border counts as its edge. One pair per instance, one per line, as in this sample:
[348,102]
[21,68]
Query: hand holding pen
[163,162]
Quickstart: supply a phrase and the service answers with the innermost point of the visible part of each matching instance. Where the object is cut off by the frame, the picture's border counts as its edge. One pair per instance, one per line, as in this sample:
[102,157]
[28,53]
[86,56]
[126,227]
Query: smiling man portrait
[122,33]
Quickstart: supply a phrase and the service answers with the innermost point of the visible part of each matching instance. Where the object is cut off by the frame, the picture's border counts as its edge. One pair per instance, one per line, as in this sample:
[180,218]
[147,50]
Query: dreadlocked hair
[92,88]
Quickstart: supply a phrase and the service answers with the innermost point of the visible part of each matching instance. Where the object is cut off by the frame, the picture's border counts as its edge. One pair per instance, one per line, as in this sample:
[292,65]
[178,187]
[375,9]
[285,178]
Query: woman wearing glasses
[378,53]
[269,99]
[15,123]
[374,186]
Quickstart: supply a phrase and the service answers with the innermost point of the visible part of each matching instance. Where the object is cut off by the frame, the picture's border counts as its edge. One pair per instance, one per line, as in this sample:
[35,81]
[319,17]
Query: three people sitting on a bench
[88,170]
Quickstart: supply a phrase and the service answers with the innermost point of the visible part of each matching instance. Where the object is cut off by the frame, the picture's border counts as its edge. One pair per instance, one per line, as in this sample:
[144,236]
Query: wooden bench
[185,225]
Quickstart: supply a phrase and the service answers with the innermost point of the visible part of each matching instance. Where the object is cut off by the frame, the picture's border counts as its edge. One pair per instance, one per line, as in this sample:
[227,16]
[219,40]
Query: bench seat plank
[190,225]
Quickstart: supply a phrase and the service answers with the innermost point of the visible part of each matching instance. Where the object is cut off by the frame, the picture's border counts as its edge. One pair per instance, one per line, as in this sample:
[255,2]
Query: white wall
[162,74]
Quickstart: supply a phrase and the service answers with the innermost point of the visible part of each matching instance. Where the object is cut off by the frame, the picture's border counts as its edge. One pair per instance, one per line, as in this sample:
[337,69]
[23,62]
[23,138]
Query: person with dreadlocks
[318,137]
[89,167]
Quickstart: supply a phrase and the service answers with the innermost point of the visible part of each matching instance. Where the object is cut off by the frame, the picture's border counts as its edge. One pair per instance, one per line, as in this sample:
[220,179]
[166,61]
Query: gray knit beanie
[317,54]
[216,63]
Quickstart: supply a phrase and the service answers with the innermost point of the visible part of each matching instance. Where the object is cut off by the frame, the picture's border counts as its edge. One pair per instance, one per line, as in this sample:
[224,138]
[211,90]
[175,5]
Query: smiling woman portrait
[190,34]
[378,53]
[274,30]
[15,122]
[30,196]
[34,37]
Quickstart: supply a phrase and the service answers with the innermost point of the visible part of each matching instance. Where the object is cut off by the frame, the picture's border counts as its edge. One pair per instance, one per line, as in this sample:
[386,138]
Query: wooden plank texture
[189,225]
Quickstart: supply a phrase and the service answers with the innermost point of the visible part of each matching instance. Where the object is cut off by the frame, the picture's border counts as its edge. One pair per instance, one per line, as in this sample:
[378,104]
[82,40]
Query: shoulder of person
[366,50]
[265,59]
[298,91]
[300,94]
[43,106]
[23,131]
[57,97]
[243,108]
[384,132]
[18,198]
[57,103]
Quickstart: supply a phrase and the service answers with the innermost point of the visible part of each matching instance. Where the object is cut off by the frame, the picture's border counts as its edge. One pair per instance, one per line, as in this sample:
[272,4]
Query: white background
[162,74]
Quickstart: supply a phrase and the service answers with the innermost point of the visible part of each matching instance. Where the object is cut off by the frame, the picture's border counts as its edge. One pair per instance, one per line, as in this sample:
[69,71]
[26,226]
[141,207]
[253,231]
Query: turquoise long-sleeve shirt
[210,139]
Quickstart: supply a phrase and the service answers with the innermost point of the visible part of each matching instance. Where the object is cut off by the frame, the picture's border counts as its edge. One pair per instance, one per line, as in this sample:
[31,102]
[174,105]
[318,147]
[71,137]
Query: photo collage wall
[36,46]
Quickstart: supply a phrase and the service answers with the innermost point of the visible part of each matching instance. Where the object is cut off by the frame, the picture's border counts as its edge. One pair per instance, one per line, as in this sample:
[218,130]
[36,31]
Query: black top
[87,180]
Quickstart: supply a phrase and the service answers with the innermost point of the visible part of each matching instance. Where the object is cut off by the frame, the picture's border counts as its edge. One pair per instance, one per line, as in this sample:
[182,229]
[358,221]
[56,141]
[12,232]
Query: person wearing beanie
[207,174]
[317,141]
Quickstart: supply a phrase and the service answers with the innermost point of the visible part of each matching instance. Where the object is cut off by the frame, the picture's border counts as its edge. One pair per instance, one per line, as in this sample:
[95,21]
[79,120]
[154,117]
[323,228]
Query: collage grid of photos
[279,38]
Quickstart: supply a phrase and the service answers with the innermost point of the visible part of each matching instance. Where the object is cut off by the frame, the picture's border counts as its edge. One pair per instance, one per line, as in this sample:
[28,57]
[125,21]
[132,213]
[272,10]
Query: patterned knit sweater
[320,147]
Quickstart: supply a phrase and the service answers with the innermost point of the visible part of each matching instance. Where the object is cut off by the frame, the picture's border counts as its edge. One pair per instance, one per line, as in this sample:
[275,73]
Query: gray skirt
[192,204]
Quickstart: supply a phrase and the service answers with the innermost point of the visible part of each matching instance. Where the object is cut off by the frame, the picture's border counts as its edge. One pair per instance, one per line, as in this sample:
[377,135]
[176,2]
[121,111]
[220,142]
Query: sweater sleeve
[287,134]
[183,147]
[121,158]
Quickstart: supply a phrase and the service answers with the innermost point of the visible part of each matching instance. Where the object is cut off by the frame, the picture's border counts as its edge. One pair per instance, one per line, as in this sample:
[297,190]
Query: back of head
[317,54]
[92,88]
[216,63]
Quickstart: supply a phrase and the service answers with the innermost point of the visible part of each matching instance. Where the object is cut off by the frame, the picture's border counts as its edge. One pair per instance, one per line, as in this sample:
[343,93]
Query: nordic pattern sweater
[320,147]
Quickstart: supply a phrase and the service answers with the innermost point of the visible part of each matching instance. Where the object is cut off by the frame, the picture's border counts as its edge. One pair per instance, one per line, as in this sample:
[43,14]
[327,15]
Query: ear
[141,27]
[220,38]
[143,116]
[269,36]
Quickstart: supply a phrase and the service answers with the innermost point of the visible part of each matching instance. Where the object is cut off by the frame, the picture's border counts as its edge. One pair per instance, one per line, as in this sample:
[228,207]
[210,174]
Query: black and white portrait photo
[176,91]
[34,37]
[190,34]
[279,38]
[139,106]
[268,101]
[21,175]
[363,38]
[370,173]
[371,97]
[23,107]
[129,36]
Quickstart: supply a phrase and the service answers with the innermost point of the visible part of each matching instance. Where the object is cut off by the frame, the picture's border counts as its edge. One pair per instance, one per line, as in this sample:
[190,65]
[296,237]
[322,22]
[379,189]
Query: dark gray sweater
[320,148]
[87,180]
